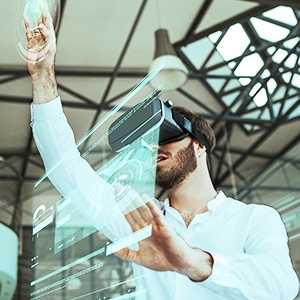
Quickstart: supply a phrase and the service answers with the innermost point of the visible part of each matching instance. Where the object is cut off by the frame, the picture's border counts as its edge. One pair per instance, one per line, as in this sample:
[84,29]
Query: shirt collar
[212,205]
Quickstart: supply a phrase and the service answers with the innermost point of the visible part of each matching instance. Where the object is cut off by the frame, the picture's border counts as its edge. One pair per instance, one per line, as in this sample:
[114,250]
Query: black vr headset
[148,115]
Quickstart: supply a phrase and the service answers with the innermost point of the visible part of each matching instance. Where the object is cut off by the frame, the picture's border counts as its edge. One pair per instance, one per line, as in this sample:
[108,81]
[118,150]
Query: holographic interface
[32,10]
[75,238]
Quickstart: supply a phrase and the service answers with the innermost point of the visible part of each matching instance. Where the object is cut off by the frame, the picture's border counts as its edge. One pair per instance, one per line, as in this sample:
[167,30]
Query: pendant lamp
[174,73]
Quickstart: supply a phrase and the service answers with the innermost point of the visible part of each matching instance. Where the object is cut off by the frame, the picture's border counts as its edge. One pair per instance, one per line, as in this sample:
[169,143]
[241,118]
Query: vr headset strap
[187,125]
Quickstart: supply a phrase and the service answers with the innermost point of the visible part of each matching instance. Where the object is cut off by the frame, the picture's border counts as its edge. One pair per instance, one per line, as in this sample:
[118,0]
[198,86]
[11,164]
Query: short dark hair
[201,125]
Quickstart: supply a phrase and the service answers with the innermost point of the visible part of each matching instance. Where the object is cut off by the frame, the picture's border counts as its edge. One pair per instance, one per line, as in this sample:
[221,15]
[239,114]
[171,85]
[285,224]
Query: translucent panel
[228,99]
[73,237]
[215,36]
[279,93]
[268,31]
[265,115]
[252,48]
[198,51]
[255,89]
[271,50]
[292,222]
[283,14]
[292,92]
[249,66]
[244,81]
[295,113]
[216,84]
[256,128]
[232,64]
[286,202]
[291,61]
[261,98]
[248,127]
[251,115]
[291,43]
[234,43]
[276,108]
[271,84]
[216,58]
[289,103]
[266,73]
[236,106]
[251,106]
[221,71]
[296,80]
[232,84]
[279,56]
[287,77]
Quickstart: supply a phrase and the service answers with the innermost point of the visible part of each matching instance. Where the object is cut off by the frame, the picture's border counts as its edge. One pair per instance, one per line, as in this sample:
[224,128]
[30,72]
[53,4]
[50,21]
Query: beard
[185,162]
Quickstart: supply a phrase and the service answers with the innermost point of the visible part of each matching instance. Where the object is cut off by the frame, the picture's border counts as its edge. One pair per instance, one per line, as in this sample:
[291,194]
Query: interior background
[106,47]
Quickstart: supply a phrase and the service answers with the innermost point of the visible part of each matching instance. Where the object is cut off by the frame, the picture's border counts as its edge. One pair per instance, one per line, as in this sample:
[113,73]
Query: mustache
[162,152]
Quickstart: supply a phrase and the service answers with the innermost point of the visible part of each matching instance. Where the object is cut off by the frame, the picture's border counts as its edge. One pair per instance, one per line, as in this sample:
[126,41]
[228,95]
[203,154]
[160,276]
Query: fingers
[127,254]
[155,212]
[47,19]
[44,32]
[139,211]
[28,30]
[42,26]
[140,217]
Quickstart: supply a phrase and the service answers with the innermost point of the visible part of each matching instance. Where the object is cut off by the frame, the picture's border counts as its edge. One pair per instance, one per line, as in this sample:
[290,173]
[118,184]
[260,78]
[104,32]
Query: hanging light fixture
[174,73]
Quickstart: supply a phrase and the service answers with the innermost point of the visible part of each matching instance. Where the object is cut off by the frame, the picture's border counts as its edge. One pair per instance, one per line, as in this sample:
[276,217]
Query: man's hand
[41,43]
[41,57]
[165,250]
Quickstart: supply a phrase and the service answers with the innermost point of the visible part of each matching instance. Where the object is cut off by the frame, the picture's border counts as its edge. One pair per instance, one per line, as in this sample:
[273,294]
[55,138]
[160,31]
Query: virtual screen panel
[74,238]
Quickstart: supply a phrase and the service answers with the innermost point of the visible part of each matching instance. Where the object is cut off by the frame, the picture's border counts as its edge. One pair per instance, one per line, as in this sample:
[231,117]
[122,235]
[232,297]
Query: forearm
[252,277]
[44,86]
[263,270]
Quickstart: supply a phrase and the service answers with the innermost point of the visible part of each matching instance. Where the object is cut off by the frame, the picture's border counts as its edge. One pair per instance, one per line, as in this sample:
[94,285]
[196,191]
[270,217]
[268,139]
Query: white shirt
[247,242]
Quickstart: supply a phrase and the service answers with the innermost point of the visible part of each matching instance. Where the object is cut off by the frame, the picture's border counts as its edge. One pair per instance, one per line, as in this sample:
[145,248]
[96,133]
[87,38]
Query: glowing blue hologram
[130,240]
[101,202]
[42,220]
[105,119]
[64,268]
[97,207]
[32,10]
[142,292]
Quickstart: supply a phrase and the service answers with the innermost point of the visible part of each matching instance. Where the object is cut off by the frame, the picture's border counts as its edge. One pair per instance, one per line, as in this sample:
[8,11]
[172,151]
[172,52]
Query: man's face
[175,161]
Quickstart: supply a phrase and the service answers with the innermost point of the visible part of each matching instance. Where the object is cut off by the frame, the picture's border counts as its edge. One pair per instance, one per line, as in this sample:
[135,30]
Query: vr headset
[148,115]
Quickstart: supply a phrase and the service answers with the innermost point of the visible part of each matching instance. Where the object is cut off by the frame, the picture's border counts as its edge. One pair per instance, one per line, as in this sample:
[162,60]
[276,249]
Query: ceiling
[104,48]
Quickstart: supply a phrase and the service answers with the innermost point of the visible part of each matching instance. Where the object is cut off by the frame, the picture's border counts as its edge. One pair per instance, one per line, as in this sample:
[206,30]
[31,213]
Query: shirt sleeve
[264,271]
[72,175]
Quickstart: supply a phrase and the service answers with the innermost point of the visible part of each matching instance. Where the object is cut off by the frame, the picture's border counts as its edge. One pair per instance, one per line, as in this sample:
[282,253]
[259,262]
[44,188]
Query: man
[205,245]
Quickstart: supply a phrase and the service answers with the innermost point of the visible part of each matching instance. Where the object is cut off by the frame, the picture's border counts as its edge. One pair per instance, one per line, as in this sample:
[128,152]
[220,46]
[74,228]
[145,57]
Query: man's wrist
[202,267]
[44,86]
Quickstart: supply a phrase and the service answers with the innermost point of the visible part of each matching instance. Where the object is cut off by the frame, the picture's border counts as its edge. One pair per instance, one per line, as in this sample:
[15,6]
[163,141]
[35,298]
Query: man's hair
[201,125]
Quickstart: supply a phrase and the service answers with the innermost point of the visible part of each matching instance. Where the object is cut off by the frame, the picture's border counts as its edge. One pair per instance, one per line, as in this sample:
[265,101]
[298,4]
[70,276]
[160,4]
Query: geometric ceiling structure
[252,67]
[244,78]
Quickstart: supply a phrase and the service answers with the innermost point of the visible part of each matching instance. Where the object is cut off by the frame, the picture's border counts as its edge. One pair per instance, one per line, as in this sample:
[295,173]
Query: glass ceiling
[253,67]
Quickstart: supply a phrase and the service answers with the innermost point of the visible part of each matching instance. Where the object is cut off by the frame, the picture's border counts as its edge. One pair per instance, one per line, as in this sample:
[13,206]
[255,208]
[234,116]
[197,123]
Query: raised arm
[71,175]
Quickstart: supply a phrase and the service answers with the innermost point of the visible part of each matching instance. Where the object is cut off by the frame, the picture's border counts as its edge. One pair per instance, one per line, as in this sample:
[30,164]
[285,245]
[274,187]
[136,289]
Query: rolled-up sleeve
[264,271]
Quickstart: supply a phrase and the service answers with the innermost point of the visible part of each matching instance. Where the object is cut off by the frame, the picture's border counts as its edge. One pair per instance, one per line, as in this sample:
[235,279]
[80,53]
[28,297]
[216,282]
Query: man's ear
[199,148]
